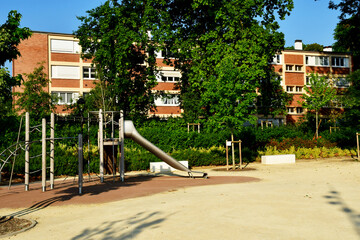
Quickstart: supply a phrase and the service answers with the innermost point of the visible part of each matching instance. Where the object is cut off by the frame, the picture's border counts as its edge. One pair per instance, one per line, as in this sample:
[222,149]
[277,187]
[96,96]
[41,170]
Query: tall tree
[318,94]
[223,49]
[10,36]
[352,100]
[347,31]
[34,99]
[121,39]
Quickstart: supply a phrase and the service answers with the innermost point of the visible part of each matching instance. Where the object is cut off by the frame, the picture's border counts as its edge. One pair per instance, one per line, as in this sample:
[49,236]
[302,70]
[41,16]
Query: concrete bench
[278,159]
[164,167]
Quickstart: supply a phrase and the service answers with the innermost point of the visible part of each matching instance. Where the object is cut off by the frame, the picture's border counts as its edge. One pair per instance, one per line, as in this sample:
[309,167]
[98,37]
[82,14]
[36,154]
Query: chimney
[328,49]
[298,45]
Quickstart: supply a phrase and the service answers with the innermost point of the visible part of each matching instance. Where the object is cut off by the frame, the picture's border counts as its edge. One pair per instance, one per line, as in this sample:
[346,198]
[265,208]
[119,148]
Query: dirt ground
[307,200]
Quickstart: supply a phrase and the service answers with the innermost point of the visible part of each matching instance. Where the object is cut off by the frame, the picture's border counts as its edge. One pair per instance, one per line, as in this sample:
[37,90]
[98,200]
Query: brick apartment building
[71,77]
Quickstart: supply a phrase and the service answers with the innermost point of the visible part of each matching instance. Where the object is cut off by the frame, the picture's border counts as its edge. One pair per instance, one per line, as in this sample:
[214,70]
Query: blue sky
[310,21]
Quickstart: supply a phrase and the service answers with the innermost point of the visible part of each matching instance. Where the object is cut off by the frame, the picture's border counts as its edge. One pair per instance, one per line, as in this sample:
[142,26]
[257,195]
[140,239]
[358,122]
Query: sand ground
[307,200]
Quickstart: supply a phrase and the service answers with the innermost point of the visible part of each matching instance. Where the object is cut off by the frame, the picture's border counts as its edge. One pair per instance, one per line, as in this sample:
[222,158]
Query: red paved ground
[66,192]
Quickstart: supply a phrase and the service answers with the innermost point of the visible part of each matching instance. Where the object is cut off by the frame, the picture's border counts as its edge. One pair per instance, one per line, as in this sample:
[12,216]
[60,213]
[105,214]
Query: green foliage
[352,100]
[10,36]
[228,44]
[319,94]
[308,153]
[116,35]
[314,47]
[34,99]
[347,31]
[298,142]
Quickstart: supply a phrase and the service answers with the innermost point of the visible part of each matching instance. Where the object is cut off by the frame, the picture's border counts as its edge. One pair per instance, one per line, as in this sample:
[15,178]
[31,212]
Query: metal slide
[131,132]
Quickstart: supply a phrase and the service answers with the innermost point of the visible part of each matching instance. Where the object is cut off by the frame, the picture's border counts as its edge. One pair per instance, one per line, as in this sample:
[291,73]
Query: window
[164,53]
[64,46]
[298,89]
[169,100]
[342,82]
[289,88]
[290,110]
[65,72]
[168,76]
[65,97]
[340,62]
[317,60]
[289,67]
[89,73]
[307,80]
[298,68]
[299,110]
[277,59]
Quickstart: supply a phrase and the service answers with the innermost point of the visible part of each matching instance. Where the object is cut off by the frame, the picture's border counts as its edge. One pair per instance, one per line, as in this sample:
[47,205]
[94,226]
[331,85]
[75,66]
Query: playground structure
[126,130]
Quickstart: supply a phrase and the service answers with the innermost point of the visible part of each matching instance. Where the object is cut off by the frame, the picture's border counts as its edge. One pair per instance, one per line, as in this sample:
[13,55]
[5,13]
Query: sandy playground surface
[317,199]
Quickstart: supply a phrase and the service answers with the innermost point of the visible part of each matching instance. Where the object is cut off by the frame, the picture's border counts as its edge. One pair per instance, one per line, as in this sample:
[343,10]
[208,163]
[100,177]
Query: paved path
[306,200]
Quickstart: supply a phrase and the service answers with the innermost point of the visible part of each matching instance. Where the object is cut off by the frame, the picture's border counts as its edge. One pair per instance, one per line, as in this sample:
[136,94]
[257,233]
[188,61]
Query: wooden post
[52,149]
[43,169]
[27,150]
[232,151]
[101,145]
[240,153]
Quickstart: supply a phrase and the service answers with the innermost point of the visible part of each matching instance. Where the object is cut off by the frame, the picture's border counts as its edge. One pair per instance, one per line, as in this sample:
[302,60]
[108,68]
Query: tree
[34,99]
[273,100]
[224,49]
[10,36]
[314,47]
[121,39]
[347,31]
[319,94]
[352,101]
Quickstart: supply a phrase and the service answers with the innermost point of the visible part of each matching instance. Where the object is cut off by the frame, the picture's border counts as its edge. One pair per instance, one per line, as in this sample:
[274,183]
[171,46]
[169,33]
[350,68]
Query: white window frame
[169,76]
[336,61]
[90,71]
[290,110]
[74,96]
[65,72]
[317,61]
[64,46]
[277,59]
[299,110]
[290,89]
[169,100]
[298,89]
[341,82]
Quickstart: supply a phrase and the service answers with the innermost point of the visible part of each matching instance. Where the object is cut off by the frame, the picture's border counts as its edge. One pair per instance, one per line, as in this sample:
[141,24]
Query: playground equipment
[126,129]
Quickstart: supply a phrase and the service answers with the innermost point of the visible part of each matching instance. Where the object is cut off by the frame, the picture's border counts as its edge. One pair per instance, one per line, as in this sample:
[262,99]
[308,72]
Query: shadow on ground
[335,198]
[127,228]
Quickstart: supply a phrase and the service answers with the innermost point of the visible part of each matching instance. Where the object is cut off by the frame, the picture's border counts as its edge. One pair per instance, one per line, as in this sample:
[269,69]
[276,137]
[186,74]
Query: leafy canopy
[223,49]
[116,36]
[34,99]
[10,36]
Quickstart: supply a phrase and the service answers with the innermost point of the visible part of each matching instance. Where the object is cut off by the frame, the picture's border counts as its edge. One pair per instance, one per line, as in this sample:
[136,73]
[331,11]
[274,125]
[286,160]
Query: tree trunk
[317,124]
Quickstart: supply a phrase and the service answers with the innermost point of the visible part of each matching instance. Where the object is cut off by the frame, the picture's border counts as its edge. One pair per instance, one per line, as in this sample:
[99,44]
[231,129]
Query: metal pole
[52,149]
[113,146]
[80,158]
[227,156]
[199,128]
[122,139]
[101,145]
[43,170]
[88,140]
[27,150]
[357,144]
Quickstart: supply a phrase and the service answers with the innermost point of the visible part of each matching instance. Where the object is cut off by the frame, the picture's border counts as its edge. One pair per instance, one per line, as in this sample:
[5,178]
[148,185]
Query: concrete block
[278,159]
[164,167]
